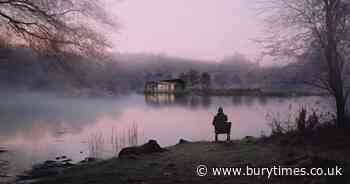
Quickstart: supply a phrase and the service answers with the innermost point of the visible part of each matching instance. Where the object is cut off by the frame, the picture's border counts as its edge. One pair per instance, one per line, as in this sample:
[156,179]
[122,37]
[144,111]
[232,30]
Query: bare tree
[205,80]
[55,26]
[193,77]
[298,25]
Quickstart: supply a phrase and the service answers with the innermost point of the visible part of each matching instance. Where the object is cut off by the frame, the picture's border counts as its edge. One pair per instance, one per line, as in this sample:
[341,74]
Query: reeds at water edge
[119,139]
[96,145]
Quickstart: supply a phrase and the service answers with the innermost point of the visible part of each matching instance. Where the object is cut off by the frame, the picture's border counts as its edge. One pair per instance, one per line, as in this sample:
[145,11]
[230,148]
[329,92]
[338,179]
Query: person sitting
[221,125]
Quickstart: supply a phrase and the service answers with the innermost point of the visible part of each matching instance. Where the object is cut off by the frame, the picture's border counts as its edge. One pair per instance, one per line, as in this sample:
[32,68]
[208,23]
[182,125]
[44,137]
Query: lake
[35,127]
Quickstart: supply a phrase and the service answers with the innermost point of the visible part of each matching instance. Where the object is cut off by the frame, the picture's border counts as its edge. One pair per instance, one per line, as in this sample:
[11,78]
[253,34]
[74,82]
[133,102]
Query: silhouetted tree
[221,79]
[53,26]
[184,77]
[194,77]
[236,80]
[299,24]
[3,42]
[205,80]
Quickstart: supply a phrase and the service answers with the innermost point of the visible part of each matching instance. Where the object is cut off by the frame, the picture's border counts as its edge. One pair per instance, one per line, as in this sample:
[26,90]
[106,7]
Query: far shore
[242,92]
[231,92]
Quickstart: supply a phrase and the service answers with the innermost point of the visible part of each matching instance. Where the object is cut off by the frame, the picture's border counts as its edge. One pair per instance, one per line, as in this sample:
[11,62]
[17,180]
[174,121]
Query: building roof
[174,80]
[169,80]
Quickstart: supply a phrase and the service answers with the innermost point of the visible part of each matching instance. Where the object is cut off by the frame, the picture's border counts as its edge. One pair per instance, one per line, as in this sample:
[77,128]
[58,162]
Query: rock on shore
[150,147]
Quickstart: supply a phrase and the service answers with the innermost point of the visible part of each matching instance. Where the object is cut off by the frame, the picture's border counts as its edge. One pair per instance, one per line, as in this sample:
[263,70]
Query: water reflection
[41,127]
[161,100]
[194,101]
[33,116]
[263,100]
[237,100]
[206,101]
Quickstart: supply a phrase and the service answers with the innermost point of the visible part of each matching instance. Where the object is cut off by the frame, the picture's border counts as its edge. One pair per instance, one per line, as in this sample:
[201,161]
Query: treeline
[231,72]
[235,71]
[22,69]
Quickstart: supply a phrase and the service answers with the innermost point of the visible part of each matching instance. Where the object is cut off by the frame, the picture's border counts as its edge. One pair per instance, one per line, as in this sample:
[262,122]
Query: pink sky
[201,29]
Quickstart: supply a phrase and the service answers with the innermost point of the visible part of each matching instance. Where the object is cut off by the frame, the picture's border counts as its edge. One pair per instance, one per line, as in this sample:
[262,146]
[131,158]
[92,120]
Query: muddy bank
[179,163]
[53,168]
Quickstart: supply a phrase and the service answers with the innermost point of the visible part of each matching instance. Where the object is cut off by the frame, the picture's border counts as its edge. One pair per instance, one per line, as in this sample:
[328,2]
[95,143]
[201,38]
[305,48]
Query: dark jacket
[220,118]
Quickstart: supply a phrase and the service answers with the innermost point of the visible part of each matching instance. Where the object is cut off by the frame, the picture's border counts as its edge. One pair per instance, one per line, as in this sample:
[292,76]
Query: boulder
[2,150]
[46,169]
[183,141]
[249,139]
[91,159]
[150,147]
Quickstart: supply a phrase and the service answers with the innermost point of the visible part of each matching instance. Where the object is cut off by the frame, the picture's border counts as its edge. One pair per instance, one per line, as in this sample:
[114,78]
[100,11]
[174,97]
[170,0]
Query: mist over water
[66,101]
[36,127]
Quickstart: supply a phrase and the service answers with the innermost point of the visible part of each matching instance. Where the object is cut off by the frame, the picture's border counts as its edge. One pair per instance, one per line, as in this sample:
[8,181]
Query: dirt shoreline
[179,164]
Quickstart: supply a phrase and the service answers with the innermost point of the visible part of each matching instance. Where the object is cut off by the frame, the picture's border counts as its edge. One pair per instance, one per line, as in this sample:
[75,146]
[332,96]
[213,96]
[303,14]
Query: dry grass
[96,145]
[119,139]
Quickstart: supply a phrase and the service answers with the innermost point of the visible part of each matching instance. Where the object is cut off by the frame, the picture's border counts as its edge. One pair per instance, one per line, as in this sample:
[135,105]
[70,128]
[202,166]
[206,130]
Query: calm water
[38,127]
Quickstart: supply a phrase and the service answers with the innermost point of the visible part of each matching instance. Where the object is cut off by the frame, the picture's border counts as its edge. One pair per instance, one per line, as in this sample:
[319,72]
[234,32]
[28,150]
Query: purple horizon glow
[199,29]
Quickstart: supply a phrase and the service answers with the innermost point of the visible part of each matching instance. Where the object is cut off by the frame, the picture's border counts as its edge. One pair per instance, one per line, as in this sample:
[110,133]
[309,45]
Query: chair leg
[216,137]
[228,137]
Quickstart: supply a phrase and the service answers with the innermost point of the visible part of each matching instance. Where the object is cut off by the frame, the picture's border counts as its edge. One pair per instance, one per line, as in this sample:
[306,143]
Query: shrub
[303,123]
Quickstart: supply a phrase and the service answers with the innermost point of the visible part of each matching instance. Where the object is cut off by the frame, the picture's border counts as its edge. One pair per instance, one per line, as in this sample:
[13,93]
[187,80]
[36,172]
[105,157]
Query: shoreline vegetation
[254,92]
[177,164]
[243,92]
[311,141]
[3,164]
[230,92]
[198,92]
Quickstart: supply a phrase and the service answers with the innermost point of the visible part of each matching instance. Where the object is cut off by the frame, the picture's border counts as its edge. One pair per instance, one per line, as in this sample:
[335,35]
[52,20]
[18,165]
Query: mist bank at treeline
[21,69]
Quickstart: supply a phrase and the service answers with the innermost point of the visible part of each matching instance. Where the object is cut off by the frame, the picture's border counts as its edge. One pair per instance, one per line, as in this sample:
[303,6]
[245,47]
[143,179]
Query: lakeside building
[165,86]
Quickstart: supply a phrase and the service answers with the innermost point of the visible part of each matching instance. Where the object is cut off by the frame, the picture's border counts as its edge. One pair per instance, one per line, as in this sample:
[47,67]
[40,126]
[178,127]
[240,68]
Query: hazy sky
[202,29]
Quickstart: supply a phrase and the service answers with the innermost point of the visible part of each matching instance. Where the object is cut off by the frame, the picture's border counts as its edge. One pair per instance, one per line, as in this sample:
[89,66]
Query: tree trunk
[340,112]
[334,63]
